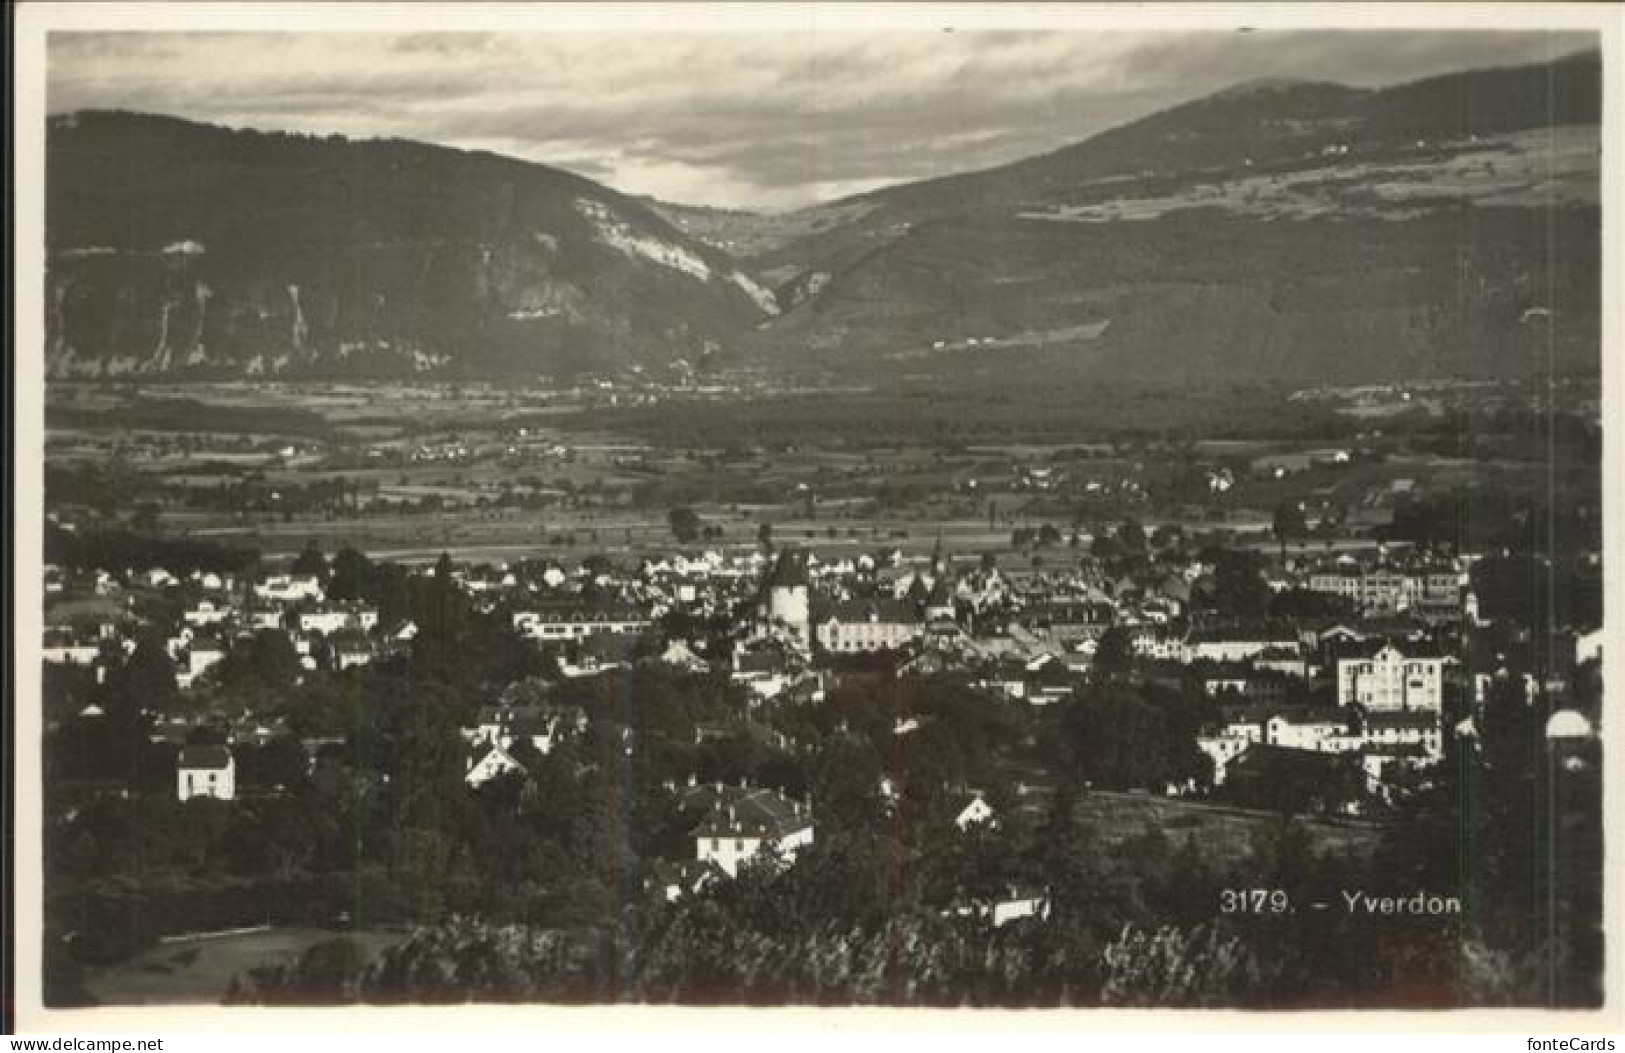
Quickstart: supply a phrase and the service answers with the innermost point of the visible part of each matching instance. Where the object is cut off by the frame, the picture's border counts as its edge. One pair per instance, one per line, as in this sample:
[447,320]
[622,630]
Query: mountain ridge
[235,251]
[222,252]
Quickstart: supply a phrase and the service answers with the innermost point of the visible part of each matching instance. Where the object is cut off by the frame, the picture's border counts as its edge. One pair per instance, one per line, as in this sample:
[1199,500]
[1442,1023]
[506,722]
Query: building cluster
[1377,682]
[215,612]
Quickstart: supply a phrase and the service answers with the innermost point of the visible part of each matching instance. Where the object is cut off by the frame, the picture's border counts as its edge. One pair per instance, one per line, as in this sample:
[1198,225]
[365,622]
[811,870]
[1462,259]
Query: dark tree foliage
[684,523]
[266,660]
[1114,651]
[1118,739]
[81,550]
[1238,588]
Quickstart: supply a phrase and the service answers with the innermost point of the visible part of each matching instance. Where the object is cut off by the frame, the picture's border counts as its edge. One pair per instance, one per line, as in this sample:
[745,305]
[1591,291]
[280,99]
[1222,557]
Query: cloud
[744,119]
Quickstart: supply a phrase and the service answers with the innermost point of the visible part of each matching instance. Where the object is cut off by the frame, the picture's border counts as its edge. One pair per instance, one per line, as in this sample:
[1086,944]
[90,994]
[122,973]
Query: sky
[758,120]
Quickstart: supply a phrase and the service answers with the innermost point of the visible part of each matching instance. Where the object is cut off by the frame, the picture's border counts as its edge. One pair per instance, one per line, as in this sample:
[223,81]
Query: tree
[684,523]
[1288,524]
[1239,588]
[279,763]
[1118,739]
[1172,967]
[1114,651]
[352,575]
[846,784]
[145,682]
[310,561]
[1106,548]
[266,660]
[440,648]
[1131,535]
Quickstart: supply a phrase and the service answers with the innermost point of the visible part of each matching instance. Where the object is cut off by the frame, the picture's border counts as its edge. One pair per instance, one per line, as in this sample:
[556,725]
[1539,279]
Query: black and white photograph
[814,506]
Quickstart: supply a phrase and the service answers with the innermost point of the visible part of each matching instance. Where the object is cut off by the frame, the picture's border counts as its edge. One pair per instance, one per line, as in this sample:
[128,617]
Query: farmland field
[409,471]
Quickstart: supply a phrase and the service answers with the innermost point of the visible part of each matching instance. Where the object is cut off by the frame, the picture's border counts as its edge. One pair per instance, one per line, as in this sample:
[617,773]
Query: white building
[1220,647]
[286,588]
[976,811]
[491,761]
[62,648]
[1016,905]
[1384,590]
[787,601]
[206,771]
[1388,680]
[207,612]
[741,824]
[867,625]
[576,622]
[1588,647]
[202,654]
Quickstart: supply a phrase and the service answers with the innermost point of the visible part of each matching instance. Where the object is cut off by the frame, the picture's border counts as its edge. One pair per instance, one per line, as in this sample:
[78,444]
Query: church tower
[787,599]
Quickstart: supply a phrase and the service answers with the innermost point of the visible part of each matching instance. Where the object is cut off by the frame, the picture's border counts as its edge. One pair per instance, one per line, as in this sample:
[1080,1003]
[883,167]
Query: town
[332,741]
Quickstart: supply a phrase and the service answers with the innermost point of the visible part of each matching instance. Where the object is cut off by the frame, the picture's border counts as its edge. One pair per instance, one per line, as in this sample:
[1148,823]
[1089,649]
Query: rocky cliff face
[183,249]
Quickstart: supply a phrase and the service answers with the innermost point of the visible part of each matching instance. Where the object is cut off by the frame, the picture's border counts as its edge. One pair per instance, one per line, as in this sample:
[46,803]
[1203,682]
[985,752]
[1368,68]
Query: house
[1011,904]
[927,661]
[1222,645]
[1016,904]
[542,726]
[1390,680]
[1384,590]
[679,655]
[974,812]
[1413,735]
[1234,680]
[1320,731]
[765,671]
[207,612]
[856,626]
[577,621]
[61,647]
[599,653]
[336,619]
[202,654]
[1221,749]
[1588,647]
[1408,728]
[351,649]
[258,618]
[206,771]
[287,588]
[1157,644]
[740,822]
[1069,621]
[488,762]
